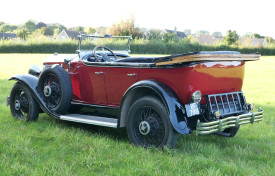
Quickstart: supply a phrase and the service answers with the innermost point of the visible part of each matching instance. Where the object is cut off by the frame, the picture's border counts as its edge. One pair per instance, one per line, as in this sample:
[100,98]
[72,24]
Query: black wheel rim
[152,135]
[51,91]
[21,105]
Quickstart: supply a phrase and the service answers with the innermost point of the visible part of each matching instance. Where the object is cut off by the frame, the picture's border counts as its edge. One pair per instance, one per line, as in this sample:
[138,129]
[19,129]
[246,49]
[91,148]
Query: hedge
[137,47]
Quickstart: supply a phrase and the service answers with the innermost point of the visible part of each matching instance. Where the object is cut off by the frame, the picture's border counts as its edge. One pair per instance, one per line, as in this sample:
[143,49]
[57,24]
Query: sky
[255,16]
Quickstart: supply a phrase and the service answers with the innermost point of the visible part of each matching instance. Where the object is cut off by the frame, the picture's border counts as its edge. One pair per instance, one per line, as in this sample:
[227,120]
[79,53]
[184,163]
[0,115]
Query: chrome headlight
[196,97]
[34,70]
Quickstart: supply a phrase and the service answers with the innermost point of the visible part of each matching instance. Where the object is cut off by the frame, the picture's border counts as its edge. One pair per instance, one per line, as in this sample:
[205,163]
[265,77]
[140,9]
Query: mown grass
[53,147]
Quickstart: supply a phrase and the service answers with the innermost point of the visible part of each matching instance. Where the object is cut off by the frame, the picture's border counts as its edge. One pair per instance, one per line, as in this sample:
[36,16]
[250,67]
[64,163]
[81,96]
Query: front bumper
[233,121]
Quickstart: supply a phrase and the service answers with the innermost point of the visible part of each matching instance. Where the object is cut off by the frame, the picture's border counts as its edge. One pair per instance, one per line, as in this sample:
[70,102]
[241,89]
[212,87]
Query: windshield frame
[107,36]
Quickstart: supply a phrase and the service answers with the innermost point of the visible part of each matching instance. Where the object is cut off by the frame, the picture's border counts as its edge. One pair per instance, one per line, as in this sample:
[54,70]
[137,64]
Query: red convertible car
[155,98]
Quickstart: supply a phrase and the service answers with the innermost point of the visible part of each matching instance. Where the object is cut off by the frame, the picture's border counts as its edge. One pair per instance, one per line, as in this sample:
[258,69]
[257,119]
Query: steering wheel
[103,55]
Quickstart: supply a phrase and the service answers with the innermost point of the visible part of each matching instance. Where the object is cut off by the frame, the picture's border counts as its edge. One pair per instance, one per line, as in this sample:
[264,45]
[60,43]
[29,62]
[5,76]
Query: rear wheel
[55,88]
[148,124]
[22,104]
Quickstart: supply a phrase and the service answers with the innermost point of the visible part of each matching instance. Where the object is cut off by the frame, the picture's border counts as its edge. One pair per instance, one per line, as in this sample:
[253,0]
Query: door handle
[131,74]
[98,73]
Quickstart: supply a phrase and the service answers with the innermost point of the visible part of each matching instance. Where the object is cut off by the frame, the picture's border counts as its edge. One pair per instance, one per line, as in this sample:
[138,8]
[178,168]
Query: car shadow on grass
[112,133]
[247,135]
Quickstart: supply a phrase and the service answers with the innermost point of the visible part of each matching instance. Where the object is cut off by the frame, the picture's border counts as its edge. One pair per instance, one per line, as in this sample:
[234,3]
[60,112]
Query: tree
[22,34]
[1,23]
[167,37]
[57,28]
[269,39]
[153,34]
[29,26]
[90,30]
[46,31]
[4,28]
[231,38]
[7,28]
[125,27]
[79,28]
[256,35]
[40,25]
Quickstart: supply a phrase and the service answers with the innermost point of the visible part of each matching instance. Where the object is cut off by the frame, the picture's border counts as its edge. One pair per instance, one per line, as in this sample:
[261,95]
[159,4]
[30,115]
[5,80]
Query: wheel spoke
[155,134]
[53,99]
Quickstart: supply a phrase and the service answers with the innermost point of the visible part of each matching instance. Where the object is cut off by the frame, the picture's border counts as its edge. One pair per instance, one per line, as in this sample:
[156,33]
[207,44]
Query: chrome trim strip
[93,106]
[118,64]
[93,120]
[233,121]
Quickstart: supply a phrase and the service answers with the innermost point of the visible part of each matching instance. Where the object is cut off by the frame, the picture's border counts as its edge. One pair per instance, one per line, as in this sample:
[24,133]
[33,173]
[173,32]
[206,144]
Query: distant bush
[31,46]
[137,47]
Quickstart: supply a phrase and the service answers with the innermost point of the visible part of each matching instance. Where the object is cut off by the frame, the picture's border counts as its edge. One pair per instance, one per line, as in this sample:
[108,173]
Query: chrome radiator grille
[227,103]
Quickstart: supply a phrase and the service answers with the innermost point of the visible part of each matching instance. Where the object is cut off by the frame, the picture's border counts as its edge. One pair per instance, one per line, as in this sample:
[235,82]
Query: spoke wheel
[55,88]
[148,127]
[51,91]
[22,104]
[148,124]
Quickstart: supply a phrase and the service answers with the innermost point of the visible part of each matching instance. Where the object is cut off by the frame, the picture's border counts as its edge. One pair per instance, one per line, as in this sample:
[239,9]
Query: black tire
[148,124]
[55,88]
[22,104]
[232,131]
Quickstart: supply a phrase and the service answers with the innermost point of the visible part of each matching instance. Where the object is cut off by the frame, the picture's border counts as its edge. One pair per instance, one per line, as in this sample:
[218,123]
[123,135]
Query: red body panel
[107,85]
[209,78]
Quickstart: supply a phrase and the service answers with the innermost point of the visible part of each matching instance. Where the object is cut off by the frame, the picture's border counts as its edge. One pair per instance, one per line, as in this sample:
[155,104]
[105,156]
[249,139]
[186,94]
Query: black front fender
[175,108]
[30,82]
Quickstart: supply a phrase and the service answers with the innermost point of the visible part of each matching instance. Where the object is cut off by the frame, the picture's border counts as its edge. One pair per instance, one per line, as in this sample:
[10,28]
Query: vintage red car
[155,98]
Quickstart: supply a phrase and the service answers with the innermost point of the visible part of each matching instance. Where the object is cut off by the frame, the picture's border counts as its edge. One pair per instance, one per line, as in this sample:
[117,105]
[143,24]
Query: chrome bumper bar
[234,121]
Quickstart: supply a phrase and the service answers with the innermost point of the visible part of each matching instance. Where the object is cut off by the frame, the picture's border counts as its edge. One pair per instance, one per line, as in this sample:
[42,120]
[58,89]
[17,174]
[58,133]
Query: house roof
[5,36]
[208,39]
[253,41]
[179,34]
[73,34]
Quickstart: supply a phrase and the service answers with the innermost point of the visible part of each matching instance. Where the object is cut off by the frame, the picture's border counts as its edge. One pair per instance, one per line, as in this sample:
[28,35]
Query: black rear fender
[165,94]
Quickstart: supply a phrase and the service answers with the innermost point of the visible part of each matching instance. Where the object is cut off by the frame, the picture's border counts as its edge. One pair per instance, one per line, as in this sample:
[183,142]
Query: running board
[93,120]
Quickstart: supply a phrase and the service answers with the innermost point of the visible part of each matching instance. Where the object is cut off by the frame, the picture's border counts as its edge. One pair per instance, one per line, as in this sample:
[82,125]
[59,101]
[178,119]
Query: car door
[118,80]
[92,84]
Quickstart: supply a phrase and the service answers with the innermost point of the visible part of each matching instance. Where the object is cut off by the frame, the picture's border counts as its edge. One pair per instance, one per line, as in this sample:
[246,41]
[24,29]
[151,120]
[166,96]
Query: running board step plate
[93,120]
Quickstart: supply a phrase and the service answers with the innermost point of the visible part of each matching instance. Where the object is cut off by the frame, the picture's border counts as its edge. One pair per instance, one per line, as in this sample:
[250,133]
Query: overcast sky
[256,16]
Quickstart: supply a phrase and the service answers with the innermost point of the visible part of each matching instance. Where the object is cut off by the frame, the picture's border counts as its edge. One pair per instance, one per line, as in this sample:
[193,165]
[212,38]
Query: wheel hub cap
[144,128]
[17,105]
[47,91]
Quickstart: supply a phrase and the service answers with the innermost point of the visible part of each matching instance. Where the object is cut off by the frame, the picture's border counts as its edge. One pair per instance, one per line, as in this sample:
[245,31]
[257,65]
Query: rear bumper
[233,121]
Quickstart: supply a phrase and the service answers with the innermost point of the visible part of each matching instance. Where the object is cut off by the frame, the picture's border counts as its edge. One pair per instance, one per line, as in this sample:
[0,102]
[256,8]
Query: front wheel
[148,124]
[22,104]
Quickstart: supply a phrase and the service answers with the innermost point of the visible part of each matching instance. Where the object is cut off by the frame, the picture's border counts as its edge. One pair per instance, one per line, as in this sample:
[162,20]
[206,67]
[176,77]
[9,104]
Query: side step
[93,120]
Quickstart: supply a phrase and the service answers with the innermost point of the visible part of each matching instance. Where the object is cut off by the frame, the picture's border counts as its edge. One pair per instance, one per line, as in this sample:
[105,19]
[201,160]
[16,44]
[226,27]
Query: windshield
[118,44]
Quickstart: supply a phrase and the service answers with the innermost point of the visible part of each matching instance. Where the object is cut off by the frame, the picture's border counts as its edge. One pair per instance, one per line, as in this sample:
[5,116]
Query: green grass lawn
[53,147]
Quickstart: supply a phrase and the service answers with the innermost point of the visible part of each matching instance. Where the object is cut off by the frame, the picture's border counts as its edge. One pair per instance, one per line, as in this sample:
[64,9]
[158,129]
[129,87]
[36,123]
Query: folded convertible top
[207,56]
